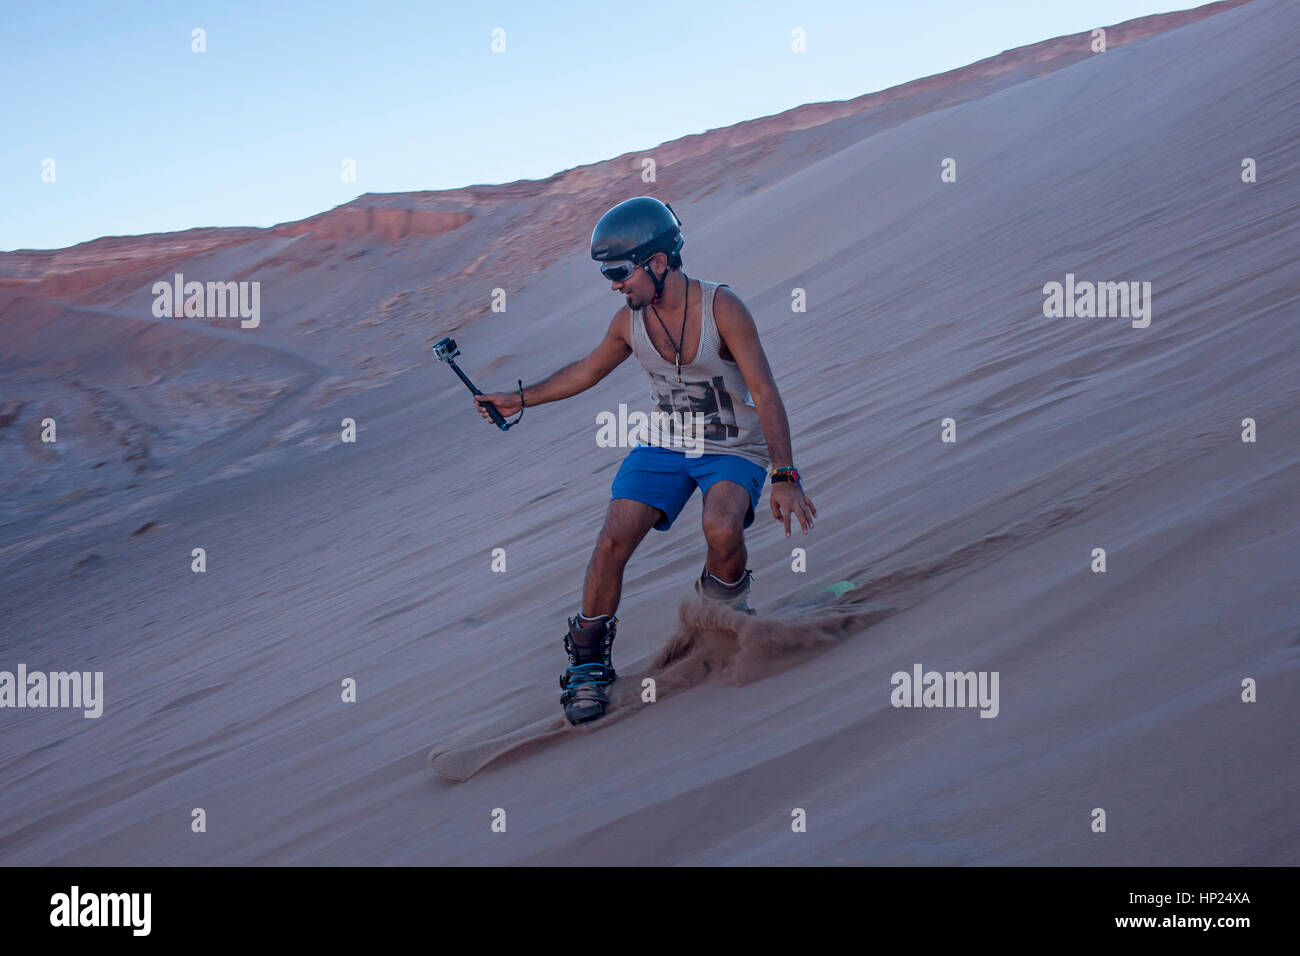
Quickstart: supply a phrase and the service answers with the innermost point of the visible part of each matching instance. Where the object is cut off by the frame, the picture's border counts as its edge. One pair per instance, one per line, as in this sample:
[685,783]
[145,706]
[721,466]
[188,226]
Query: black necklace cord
[677,346]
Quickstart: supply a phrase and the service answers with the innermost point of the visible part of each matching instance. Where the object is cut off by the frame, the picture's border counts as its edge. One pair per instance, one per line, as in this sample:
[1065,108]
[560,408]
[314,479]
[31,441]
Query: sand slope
[1118,690]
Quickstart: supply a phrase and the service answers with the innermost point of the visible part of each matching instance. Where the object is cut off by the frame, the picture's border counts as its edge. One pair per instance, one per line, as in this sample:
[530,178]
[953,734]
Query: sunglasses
[617,270]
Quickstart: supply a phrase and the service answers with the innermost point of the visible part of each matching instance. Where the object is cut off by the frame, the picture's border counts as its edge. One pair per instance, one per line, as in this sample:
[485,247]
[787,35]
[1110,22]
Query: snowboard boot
[711,589]
[590,669]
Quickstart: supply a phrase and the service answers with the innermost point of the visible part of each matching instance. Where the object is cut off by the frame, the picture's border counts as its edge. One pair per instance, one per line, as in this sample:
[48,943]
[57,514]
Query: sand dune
[372,561]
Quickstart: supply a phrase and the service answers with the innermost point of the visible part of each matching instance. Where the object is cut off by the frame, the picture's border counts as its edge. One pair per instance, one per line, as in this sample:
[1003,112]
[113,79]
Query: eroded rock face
[349,222]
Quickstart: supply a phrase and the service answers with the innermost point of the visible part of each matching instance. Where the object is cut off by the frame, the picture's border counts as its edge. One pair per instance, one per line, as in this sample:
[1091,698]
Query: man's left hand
[789,501]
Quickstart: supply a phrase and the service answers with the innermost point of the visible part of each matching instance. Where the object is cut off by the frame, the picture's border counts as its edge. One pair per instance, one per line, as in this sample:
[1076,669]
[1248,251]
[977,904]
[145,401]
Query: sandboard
[467,755]
[707,647]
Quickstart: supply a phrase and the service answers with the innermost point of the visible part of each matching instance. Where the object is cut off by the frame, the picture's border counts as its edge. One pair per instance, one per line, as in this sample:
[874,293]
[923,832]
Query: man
[700,348]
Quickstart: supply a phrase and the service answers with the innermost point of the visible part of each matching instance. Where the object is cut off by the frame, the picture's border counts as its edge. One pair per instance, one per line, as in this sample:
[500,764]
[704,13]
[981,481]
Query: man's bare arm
[572,379]
[736,326]
[586,372]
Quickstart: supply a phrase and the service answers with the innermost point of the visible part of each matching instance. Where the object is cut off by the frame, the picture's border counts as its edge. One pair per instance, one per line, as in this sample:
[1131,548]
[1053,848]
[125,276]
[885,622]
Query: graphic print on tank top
[709,398]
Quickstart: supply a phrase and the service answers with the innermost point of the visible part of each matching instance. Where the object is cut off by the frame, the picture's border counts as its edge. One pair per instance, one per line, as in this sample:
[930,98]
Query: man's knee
[723,531]
[623,530]
[612,545]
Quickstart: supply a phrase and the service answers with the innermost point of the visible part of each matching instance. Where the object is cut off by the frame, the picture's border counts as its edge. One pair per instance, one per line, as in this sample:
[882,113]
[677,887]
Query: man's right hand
[507,403]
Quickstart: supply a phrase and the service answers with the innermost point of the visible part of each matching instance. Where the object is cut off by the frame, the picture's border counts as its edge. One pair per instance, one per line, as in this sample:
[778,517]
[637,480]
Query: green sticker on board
[839,587]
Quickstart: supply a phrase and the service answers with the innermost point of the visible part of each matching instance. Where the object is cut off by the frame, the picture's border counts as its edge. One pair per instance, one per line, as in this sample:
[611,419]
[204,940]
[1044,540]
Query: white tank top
[710,386]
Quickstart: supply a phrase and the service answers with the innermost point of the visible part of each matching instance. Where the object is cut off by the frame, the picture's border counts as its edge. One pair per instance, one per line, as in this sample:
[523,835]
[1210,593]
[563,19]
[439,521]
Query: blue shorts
[665,478]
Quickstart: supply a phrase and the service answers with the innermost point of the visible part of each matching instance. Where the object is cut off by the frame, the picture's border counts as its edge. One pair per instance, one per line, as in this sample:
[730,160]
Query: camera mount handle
[447,351]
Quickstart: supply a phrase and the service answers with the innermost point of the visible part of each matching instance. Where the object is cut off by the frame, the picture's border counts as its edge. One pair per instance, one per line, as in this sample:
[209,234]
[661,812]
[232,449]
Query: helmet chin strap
[659,282]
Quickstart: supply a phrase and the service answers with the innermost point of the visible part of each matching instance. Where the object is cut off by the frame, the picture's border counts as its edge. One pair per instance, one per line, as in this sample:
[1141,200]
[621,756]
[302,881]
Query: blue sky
[148,136]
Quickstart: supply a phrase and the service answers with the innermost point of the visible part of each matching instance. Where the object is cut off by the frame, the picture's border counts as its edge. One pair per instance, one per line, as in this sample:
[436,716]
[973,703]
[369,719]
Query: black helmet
[636,229]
